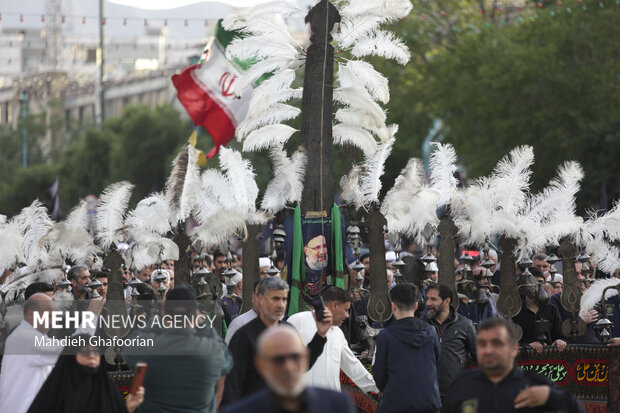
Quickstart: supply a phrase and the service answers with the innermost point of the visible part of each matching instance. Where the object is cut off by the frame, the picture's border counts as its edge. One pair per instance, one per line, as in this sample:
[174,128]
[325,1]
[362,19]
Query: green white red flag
[205,90]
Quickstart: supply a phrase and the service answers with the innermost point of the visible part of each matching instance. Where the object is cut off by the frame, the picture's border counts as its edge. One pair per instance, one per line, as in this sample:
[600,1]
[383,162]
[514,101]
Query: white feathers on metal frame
[360,119]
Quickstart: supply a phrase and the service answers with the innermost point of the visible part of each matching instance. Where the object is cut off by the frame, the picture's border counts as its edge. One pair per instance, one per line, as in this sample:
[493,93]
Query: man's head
[438,299]
[497,346]
[144,274]
[219,263]
[580,277]
[404,299]
[338,302]
[102,277]
[254,298]
[79,277]
[180,301]
[365,260]
[390,278]
[434,273]
[263,265]
[272,296]
[538,275]
[237,282]
[202,260]
[167,264]
[39,287]
[282,359]
[316,253]
[38,303]
[540,263]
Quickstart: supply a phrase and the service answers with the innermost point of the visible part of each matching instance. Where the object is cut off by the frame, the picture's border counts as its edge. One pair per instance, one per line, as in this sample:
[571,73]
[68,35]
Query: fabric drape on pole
[297,263]
[337,251]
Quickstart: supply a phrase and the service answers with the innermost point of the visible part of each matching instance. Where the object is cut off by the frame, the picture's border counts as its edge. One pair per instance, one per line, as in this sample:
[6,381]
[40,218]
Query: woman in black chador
[79,383]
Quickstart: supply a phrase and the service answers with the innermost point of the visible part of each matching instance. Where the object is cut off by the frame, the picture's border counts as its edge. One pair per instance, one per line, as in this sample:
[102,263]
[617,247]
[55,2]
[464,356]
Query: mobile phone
[319,306]
[138,377]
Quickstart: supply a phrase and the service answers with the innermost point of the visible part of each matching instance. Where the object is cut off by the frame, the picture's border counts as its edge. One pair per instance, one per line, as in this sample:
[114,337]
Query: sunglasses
[281,359]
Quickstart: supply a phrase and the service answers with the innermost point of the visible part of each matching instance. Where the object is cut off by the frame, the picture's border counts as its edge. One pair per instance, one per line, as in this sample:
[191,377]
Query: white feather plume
[351,189]
[388,10]
[353,29]
[70,239]
[267,137]
[110,212]
[11,240]
[35,224]
[259,47]
[148,248]
[550,215]
[151,214]
[352,135]
[363,72]
[410,205]
[472,211]
[78,217]
[287,183]
[182,184]
[442,168]
[374,167]
[258,69]
[240,176]
[219,228]
[384,44]
[606,257]
[591,298]
[275,114]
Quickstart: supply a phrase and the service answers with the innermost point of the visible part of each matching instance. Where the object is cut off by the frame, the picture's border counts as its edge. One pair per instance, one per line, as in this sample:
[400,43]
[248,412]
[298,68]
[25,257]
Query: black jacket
[590,336]
[457,336]
[244,379]
[315,400]
[474,392]
[405,367]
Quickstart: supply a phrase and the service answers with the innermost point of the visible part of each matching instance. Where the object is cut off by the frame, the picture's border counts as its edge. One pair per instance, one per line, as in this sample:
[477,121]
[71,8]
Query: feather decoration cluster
[493,205]
[34,224]
[287,183]
[591,298]
[144,230]
[181,185]
[69,239]
[360,31]
[11,242]
[268,41]
[598,234]
[411,204]
[550,215]
[442,168]
[361,187]
[360,118]
[110,213]
[225,202]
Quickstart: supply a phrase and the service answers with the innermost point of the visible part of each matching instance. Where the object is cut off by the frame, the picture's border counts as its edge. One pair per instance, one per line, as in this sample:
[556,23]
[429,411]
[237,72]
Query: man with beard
[317,259]
[282,360]
[272,296]
[498,385]
[457,335]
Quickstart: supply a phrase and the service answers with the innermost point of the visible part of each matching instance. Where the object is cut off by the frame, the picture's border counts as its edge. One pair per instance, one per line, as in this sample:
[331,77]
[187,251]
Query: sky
[169,4]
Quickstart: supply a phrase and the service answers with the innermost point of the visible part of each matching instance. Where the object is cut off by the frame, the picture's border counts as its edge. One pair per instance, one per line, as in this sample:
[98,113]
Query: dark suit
[316,400]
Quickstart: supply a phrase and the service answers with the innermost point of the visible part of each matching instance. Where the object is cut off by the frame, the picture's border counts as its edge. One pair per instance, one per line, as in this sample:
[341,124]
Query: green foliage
[550,82]
[138,146]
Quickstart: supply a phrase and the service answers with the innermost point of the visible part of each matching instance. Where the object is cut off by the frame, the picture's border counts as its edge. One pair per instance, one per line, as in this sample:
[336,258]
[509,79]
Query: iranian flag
[205,90]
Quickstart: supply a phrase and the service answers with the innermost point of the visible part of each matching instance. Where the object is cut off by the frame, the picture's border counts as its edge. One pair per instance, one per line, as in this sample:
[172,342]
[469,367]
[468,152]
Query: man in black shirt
[498,385]
[244,379]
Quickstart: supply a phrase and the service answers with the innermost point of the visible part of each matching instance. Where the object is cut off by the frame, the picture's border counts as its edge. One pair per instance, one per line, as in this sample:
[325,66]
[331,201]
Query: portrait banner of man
[317,244]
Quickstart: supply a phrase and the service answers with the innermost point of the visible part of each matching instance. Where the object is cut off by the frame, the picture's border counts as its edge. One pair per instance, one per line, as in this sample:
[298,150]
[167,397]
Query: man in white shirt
[244,318]
[336,355]
[25,365]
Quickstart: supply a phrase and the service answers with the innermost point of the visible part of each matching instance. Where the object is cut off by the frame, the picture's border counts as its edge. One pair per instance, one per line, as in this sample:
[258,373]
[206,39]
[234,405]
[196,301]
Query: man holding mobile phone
[337,355]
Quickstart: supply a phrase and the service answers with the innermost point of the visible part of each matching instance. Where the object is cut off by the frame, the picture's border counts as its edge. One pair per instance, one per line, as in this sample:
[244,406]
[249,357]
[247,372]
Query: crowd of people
[266,360]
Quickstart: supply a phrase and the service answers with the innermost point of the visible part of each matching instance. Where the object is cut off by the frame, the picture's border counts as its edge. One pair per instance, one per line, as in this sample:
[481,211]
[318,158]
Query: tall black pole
[317,108]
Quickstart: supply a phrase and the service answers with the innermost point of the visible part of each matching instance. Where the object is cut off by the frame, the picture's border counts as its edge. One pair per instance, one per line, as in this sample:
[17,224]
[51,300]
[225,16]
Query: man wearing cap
[232,302]
[263,264]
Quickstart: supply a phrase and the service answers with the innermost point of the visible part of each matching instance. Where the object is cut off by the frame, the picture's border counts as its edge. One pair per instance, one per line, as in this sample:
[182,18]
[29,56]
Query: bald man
[282,359]
[26,365]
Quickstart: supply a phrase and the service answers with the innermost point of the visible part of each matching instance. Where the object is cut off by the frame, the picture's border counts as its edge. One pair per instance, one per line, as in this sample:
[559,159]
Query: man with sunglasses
[272,296]
[282,359]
